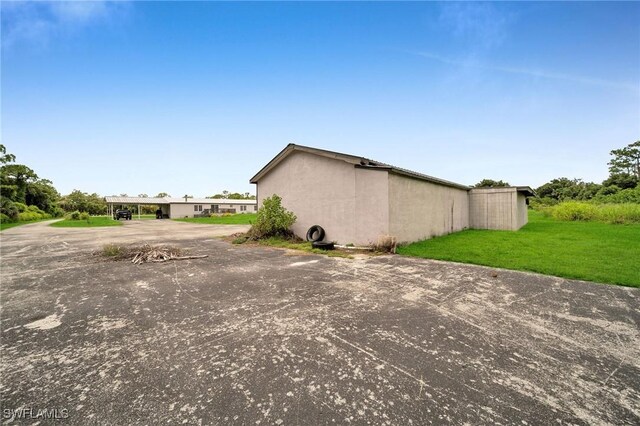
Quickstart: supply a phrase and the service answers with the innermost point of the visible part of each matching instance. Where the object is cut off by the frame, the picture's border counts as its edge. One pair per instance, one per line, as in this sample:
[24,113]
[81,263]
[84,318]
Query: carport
[163,203]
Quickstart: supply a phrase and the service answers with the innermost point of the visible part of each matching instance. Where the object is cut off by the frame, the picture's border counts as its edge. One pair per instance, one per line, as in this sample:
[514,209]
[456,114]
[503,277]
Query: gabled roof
[360,162]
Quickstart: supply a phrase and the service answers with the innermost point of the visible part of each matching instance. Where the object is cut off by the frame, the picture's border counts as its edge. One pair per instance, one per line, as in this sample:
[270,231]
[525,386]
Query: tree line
[25,196]
[622,185]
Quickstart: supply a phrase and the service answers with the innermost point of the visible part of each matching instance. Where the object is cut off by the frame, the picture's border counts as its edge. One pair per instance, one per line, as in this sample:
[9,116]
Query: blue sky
[196,97]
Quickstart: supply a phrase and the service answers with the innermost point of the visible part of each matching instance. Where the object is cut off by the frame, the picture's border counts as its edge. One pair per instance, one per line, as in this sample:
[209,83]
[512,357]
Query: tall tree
[4,157]
[18,176]
[626,160]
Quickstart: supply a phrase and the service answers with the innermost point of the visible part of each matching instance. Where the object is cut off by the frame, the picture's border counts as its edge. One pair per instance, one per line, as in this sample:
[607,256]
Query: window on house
[255,208]
[215,208]
[243,208]
[200,207]
[195,208]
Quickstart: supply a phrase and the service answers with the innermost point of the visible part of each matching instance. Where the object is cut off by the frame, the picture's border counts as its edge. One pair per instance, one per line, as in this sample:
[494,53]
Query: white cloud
[533,72]
[480,23]
[38,22]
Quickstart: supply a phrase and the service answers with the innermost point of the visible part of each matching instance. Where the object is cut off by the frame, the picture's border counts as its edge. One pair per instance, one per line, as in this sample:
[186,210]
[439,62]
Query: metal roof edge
[359,162]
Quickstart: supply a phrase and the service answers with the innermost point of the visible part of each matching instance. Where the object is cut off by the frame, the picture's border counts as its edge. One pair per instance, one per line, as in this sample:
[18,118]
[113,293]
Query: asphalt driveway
[252,335]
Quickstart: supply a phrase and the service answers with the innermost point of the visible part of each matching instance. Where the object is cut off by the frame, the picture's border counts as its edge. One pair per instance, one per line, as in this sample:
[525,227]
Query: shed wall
[319,190]
[420,210]
[522,211]
[497,208]
[372,206]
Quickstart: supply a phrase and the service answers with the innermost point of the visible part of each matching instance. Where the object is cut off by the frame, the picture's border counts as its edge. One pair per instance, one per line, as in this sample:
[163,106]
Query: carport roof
[172,200]
[136,200]
[360,162]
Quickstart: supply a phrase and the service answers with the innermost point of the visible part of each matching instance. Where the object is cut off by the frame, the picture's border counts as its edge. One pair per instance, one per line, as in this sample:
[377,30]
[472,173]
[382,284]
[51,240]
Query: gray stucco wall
[319,190]
[419,210]
[359,205]
[372,206]
[522,211]
[497,208]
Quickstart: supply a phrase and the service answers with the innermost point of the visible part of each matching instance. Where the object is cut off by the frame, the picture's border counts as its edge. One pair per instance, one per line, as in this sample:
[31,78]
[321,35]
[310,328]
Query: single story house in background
[357,200]
[176,208]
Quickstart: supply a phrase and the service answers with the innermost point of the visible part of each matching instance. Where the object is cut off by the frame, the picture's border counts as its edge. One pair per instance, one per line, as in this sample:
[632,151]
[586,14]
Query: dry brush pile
[146,253]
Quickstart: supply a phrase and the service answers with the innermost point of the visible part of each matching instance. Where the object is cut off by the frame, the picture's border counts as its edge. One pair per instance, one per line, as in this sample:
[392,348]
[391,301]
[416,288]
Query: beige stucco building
[357,200]
[178,208]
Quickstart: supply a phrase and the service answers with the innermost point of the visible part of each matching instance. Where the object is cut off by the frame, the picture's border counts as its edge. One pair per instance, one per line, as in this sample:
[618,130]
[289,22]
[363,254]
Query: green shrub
[74,215]
[5,219]
[537,203]
[111,250]
[9,209]
[29,216]
[619,213]
[272,220]
[573,210]
[240,240]
[57,212]
[85,216]
[630,195]
[582,211]
[20,206]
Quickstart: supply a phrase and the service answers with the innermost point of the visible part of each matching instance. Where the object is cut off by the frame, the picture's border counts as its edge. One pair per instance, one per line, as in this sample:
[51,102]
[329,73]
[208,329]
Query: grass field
[92,222]
[234,219]
[7,225]
[590,251]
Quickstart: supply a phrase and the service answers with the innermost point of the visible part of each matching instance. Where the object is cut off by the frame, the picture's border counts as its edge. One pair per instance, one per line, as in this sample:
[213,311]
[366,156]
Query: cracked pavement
[254,335]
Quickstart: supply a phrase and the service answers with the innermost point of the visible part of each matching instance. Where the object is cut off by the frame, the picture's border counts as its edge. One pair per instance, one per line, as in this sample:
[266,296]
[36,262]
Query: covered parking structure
[185,207]
[114,202]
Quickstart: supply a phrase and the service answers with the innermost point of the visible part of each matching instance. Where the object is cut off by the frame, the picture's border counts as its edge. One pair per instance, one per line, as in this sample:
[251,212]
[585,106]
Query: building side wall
[420,210]
[497,208]
[478,205]
[319,190]
[522,212]
[372,206]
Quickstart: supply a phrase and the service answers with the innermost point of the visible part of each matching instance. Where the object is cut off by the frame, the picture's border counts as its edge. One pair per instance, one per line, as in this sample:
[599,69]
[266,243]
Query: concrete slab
[260,336]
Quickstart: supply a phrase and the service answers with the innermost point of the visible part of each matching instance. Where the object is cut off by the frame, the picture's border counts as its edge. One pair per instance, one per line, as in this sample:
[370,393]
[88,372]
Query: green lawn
[590,251]
[7,225]
[234,219]
[92,222]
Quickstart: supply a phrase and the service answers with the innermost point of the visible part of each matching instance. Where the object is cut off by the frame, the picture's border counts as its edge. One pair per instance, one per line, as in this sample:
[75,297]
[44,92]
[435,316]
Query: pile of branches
[146,253]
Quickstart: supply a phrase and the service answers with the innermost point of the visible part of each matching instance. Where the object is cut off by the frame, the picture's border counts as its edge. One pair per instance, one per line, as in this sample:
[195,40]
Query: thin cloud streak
[533,72]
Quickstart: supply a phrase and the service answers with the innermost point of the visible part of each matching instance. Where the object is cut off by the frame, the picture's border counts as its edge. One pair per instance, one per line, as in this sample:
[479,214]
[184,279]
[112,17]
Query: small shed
[499,208]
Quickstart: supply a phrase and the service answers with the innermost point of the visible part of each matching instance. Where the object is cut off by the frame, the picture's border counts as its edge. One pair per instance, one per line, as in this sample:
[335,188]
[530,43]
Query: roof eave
[271,164]
[528,192]
[429,179]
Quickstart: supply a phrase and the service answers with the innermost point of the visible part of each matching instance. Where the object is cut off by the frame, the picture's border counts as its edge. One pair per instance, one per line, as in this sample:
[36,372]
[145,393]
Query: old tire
[317,231]
[322,245]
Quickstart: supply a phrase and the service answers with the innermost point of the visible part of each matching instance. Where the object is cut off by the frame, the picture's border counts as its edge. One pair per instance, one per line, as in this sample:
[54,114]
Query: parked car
[122,213]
